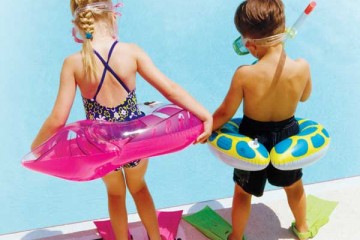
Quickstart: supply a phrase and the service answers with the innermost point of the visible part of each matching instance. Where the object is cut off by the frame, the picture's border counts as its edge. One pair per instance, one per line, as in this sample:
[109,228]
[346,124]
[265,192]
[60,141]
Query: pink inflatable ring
[86,150]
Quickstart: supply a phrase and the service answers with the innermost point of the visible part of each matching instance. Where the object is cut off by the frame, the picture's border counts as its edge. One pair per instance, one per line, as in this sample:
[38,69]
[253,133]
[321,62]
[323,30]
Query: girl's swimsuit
[125,111]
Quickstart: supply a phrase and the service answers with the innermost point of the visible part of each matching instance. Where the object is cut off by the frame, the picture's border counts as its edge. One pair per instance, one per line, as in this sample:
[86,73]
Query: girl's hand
[207,131]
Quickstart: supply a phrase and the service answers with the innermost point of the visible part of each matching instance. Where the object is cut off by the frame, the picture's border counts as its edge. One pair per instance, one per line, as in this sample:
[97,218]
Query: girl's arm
[231,102]
[62,106]
[172,91]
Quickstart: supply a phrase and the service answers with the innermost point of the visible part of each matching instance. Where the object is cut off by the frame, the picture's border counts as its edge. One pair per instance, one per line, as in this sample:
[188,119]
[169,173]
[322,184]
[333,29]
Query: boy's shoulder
[245,71]
[300,66]
[302,62]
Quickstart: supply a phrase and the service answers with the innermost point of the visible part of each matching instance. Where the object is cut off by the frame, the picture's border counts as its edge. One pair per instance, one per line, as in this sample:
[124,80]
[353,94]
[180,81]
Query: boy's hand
[207,131]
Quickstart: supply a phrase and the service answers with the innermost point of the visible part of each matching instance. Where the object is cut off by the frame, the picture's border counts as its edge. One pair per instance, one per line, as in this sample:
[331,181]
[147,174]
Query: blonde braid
[86,24]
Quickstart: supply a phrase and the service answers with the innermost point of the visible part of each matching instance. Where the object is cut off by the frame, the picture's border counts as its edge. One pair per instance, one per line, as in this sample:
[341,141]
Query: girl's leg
[240,213]
[297,201]
[136,184]
[116,190]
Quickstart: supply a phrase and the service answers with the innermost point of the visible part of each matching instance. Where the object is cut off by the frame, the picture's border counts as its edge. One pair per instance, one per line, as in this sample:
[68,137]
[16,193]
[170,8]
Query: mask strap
[76,39]
[117,13]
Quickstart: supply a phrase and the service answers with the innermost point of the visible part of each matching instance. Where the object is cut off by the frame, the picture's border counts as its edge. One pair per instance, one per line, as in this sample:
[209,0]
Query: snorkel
[239,46]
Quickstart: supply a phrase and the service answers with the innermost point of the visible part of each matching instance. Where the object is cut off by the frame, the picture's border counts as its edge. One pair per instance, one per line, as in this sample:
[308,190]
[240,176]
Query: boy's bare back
[273,87]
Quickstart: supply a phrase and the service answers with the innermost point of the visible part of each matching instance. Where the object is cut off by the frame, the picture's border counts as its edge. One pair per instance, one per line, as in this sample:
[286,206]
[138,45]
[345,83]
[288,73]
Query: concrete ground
[270,217]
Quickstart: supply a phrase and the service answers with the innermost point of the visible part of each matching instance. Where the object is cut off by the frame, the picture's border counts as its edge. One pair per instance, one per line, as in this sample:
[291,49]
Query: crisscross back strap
[108,68]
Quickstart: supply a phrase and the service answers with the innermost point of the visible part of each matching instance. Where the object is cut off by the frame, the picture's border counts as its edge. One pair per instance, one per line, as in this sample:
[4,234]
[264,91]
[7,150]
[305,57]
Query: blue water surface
[190,41]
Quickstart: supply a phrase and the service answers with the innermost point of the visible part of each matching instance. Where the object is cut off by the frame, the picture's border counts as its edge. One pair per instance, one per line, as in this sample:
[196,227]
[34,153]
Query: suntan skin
[265,99]
[127,60]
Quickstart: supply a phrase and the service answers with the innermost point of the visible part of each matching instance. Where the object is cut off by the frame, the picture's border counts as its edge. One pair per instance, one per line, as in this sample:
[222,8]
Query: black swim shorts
[269,134]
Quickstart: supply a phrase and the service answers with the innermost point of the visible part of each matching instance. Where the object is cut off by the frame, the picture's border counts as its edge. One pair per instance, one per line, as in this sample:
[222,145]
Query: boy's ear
[251,47]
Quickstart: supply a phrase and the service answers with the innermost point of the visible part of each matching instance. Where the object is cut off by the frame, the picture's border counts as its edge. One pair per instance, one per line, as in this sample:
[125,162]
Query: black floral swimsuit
[126,111]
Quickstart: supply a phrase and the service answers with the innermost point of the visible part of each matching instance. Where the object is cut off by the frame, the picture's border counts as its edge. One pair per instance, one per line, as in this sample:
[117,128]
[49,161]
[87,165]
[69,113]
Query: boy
[271,90]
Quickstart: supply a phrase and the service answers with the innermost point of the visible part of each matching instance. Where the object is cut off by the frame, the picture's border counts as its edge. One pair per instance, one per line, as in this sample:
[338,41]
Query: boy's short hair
[260,18]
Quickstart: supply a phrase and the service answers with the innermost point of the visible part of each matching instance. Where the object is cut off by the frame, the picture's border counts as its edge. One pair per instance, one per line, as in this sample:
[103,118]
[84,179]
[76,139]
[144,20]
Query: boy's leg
[240,213]
[297,201]
[144,203]
[116,190]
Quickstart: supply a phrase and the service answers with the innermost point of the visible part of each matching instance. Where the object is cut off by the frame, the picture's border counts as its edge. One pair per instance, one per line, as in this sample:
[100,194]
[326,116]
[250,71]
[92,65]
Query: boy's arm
[232,100]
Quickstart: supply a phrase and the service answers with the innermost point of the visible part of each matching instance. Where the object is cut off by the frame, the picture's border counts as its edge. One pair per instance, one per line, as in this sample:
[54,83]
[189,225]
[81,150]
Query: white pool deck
[270,217]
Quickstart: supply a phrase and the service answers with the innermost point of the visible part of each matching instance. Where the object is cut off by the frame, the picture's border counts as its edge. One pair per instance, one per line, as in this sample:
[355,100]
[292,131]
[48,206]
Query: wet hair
[84,20]
[260,18]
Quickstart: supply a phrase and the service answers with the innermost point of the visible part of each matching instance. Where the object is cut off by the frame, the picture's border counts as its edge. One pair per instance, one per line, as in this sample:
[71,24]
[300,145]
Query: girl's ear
[115,26]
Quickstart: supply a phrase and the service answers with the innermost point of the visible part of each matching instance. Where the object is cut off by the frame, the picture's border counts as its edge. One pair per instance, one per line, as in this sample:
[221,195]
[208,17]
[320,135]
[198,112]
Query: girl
[105,72]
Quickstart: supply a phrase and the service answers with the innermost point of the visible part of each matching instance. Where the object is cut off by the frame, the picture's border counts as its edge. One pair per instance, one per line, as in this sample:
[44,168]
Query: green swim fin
[318,212]
[210,223]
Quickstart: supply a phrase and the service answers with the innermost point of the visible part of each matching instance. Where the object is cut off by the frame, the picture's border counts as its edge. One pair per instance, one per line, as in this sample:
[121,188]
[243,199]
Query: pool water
[190,41]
